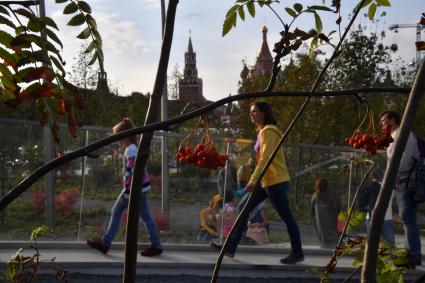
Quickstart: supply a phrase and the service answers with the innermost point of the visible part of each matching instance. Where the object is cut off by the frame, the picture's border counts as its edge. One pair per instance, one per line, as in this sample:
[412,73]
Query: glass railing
[86,188]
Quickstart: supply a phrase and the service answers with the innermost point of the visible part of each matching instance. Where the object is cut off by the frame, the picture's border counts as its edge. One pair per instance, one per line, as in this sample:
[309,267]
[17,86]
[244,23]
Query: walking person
[366,202]
[275,183]
[390,120]
[103,244]
[325,207]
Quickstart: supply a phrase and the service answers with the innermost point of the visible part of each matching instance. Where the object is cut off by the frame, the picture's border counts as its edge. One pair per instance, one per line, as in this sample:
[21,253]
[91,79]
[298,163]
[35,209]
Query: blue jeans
[279,198]
[387,231]
[118,208]
[407,210]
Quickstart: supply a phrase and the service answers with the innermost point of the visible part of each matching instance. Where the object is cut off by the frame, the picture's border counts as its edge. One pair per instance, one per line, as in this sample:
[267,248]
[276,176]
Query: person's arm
[269,140]
[410,153]
[203,219]
[128,172]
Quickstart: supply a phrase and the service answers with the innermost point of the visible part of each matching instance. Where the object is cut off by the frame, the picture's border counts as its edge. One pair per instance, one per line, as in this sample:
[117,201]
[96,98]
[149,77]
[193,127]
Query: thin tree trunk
[152,116]
[368,274]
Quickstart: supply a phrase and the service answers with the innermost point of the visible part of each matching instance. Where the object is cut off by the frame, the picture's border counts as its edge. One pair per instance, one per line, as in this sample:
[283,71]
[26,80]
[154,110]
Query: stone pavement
[177,260]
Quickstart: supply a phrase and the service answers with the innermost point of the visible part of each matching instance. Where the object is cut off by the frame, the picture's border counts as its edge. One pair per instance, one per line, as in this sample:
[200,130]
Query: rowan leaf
[26,13]
[230,21]
[85,7]
[321,8]
[48,21]
[61,1]
[4,70]
[77,20]
[93,59]
[8,83]
[71,8]
[90,47]
[371,11]
[6,21]
[298,7]
[291,12]
[53,36]
[3,10]
[84,34]
[318,22]
[8,58]
[91,21]
[420,45]
[5,38]
[383,2]
[58,65]
[251,8]
[241,13]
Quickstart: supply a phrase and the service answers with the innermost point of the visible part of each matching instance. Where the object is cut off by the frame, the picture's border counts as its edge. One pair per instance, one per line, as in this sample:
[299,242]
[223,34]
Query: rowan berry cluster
[204,154]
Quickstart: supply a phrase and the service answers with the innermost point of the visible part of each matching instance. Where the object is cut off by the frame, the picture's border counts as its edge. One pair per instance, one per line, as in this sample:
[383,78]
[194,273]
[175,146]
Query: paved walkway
[177,260]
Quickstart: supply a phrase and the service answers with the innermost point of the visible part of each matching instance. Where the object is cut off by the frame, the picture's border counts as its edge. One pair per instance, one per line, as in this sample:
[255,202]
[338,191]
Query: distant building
[263,64]
[190,86]
[102,83]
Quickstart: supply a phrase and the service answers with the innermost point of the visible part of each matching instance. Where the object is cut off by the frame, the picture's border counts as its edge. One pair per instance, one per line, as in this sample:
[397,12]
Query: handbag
[416,178]
[339,224]
[258,234]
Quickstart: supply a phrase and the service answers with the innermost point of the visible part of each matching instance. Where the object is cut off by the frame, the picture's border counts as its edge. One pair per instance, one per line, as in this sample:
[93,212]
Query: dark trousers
[278,195]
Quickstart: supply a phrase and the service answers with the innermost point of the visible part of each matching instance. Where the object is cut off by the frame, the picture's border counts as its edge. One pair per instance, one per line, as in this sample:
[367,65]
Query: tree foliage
[33,68]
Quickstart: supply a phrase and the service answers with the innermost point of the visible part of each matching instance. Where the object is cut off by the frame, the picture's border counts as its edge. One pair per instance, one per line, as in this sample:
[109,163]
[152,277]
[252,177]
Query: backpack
[416,179]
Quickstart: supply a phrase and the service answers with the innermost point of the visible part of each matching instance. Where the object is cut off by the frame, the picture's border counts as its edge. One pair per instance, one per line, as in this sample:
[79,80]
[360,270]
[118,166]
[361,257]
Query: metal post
[49,179]
[165,176]
[83,179]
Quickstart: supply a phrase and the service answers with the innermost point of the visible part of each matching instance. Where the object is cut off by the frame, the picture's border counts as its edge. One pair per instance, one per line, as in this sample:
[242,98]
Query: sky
[131,32]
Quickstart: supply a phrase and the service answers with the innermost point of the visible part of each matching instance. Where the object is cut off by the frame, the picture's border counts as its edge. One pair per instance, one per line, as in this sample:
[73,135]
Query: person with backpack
[390,120]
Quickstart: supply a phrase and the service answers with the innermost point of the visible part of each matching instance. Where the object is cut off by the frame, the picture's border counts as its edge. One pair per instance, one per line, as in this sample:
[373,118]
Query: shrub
[66,200]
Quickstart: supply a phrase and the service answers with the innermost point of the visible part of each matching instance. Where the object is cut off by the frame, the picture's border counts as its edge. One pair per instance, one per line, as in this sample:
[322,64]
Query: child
[209,221]
[130,152]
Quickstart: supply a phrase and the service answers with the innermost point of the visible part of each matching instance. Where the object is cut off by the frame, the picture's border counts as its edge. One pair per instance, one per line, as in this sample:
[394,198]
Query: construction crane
[419,29]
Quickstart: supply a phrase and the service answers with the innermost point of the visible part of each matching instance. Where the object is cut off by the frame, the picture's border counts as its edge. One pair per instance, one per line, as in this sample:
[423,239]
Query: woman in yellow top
[275,182]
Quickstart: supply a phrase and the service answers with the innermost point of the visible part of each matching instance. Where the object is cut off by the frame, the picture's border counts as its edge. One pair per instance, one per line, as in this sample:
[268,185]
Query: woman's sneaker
[292,258]
[97,244]
[151,251]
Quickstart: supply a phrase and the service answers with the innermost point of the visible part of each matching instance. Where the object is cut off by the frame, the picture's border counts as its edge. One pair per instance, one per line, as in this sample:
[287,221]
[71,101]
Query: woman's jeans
[118,208]
[407,208]
[387,231]
[279,198]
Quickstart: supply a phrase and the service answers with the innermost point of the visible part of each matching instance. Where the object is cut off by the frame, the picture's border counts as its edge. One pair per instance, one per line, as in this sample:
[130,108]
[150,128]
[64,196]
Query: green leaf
[318,21]
[251,8]
[77,20]
[61,1]
[230,21]
[298,7]
[291,12]
[3,10]
[8,83]
[97,36]
[71,8]
[383,2]
[241,13]
[5,38]
[5,71]
[58,65]
[48,21]
[90,48]
[313,45]
[84,34]
[321,8]
[53,36]
[6,95]
[5,21]
[84,7]
[365,4]
[34,26]
[31,57]
[9,59]
[91,21]
[36,233]
[93,59]
[26,13]
[371,12]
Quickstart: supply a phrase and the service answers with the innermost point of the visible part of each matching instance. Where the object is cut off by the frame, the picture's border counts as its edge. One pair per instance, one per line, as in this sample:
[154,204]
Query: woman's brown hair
[265,108]
[320,186]
[124,125]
